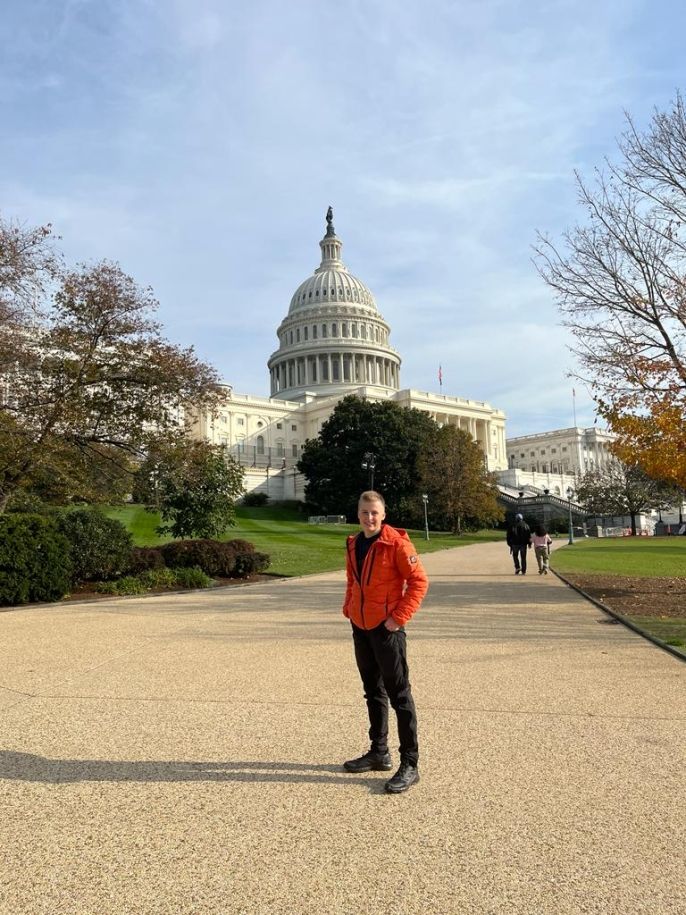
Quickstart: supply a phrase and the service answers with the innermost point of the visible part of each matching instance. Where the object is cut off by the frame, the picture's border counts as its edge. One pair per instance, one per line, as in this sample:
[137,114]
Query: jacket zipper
[372,554]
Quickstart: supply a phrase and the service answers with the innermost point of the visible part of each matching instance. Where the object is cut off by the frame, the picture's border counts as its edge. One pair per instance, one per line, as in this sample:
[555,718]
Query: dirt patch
[633,596]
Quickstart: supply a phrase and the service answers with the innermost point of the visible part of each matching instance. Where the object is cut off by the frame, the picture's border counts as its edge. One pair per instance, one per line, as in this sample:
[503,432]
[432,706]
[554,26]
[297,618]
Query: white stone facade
[563,451]
[332,343]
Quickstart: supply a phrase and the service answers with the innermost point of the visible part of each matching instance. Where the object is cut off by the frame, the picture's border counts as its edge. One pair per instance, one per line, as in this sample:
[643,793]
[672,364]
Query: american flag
[440,375]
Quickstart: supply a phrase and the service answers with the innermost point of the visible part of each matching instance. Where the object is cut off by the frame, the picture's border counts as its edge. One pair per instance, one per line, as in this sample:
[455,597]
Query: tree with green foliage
[88,384]
[453,475]
[333,462]
[196,490]
[618,489]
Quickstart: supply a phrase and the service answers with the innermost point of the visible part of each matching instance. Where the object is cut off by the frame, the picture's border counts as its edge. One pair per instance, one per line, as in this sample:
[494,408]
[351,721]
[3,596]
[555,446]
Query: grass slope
[295,547]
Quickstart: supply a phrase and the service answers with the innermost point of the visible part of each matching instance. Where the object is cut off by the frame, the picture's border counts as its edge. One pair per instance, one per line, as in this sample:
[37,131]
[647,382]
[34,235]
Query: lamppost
[425,500]
[570,493]
[369,463]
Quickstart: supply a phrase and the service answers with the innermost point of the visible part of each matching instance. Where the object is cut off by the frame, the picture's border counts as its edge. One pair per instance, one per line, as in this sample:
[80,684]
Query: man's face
[370,515]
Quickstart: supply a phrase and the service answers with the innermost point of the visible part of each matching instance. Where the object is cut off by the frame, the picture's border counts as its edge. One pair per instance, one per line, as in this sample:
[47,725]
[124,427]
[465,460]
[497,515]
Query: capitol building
[332,342]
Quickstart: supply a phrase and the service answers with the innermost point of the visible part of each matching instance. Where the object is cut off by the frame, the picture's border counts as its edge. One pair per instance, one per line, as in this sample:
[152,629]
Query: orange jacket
[391,582]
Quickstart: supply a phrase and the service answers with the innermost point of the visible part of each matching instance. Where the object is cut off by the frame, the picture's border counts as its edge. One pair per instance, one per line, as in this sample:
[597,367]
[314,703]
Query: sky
[198,143]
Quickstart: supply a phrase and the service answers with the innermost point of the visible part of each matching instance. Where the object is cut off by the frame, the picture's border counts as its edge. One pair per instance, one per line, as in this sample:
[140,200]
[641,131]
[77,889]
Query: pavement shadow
[29,767]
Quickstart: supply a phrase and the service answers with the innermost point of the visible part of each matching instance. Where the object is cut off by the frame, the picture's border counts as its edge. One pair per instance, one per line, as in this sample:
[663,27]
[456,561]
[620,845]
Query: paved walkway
[180,755]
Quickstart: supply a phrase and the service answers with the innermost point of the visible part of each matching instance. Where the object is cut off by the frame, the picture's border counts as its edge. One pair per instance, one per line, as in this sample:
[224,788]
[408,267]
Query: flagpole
[574,405]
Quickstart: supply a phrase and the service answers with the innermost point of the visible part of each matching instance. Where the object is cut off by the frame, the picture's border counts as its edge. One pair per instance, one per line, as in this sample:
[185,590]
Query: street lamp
[425,500]
[369,463]
[570,493]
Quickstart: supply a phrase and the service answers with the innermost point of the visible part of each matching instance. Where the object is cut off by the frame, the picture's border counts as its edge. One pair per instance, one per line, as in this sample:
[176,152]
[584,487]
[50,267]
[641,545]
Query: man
[386,584]
[519,541]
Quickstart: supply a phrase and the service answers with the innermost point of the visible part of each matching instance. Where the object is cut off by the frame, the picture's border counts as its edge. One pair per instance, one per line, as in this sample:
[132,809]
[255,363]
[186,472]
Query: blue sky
[199,143]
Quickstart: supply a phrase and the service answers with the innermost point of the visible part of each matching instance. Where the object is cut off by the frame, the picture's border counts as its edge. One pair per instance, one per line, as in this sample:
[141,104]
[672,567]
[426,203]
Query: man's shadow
[28,767]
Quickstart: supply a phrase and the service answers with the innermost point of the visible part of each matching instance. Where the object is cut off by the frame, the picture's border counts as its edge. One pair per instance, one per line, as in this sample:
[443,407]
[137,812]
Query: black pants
[382,662]
[519,556]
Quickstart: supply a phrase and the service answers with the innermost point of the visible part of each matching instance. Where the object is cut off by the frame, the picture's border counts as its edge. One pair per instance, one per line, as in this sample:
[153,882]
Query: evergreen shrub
[145,559]
[100,546]
[214,557]
[35,563]
[248,564]
[255,499]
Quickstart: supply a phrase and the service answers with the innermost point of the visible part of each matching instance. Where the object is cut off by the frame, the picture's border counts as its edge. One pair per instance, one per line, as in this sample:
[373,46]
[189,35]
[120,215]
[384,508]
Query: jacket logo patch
[413,559]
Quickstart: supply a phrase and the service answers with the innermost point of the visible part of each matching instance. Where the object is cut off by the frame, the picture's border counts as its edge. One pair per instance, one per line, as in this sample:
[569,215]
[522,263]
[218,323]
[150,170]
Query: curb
[672,649]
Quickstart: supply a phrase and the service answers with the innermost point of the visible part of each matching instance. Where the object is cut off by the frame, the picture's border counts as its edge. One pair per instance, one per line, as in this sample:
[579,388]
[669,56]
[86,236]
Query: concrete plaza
[181,755]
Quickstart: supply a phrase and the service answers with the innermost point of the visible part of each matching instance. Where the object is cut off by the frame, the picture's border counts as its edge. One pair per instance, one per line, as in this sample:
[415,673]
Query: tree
[453,475]
[333,461]
[621,284]
[618,489]
[196,490]
[88,383]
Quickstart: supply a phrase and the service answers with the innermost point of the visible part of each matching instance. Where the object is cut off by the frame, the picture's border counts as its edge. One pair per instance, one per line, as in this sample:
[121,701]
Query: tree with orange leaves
[620,281]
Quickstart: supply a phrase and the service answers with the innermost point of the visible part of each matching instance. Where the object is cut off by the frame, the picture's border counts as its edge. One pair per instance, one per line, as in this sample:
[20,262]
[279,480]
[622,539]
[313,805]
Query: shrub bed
[220,559]
[156,579]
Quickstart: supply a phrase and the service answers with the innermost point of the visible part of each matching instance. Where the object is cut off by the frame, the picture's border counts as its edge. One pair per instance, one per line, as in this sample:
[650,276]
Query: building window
[334,330]
[344,329]
[553,450]
[564,447]
[294,428]
[279,449]
[279,425]
[305,332]
[522,454]
[297,335]
[260,424]
[314,331]
[260,444]
[533,454]
[323,330]
[294,449]
[290,336]
[240,421]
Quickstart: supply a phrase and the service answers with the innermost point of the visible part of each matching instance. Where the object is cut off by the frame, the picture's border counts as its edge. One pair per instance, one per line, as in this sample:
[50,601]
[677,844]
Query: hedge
[100,546]
[35,561]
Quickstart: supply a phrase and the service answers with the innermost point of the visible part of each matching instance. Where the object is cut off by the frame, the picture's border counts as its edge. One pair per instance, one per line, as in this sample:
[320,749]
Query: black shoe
[370,762]
[516,571]
[403,779]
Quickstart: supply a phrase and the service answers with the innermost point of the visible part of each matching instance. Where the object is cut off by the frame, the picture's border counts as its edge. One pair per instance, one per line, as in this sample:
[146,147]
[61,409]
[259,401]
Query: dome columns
[299,373]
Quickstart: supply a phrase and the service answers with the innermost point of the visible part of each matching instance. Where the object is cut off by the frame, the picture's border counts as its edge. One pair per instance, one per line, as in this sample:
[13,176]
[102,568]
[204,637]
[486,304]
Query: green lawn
[652,557]
[295,547]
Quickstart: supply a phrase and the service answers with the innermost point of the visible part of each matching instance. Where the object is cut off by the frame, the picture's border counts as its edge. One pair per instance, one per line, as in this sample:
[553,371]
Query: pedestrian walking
[386,584]
[541,540]
[519,541]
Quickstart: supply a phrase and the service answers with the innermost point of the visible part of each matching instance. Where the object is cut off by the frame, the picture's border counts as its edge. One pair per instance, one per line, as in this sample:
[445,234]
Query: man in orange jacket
[386,584]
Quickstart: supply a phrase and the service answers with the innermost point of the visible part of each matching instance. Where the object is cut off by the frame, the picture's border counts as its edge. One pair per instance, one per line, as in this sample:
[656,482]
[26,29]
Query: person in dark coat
[519,541]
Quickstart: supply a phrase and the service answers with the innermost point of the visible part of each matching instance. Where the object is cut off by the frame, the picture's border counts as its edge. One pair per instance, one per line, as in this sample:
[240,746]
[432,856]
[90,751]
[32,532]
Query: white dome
[331,285]
[333,338]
